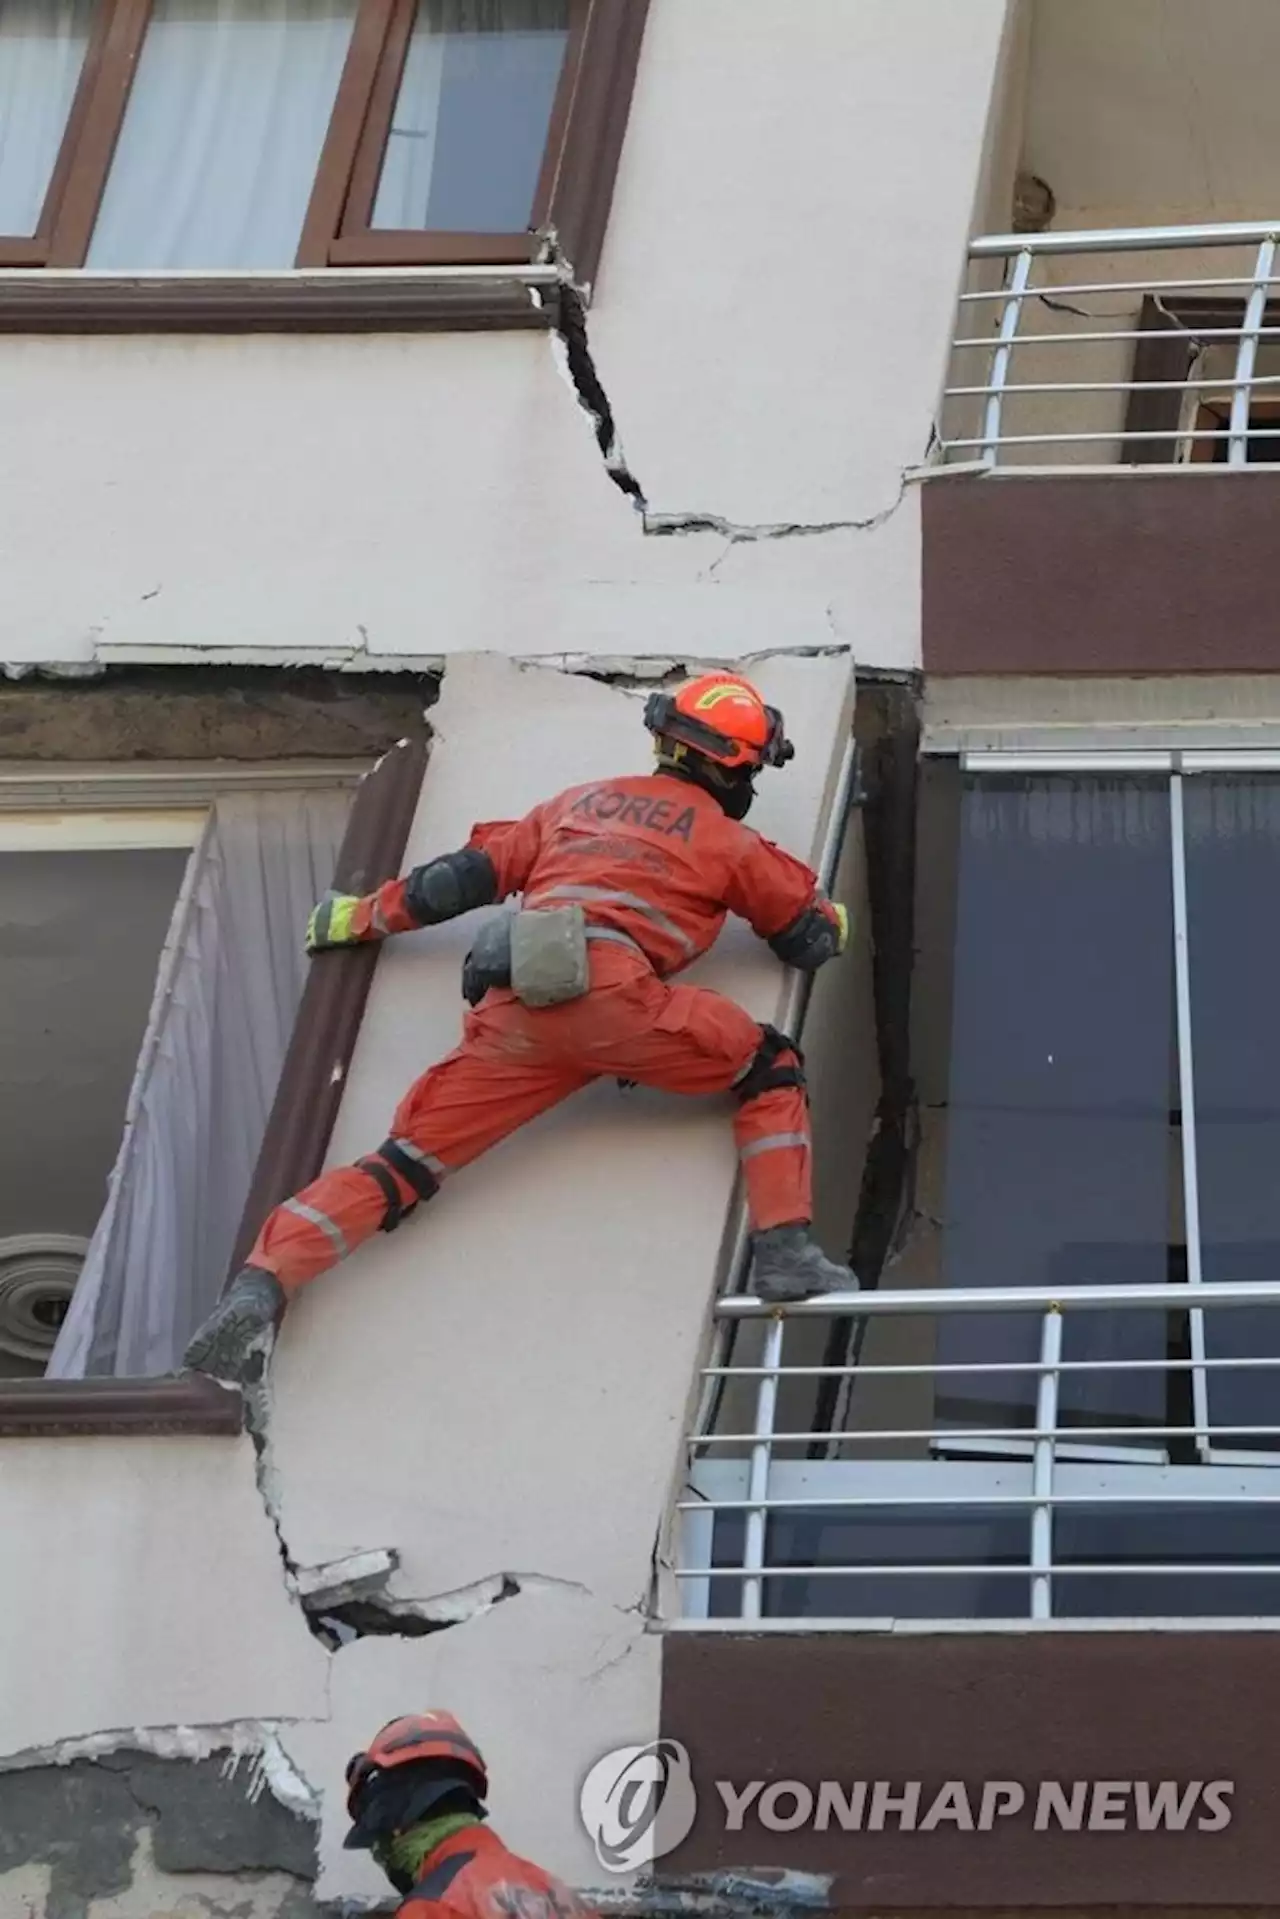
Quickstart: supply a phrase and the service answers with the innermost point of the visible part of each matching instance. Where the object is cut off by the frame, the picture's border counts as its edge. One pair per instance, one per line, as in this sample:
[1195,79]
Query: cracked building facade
[342,515]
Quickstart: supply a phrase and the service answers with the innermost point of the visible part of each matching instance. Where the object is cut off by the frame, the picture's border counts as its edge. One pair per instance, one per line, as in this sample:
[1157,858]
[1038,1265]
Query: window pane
[82,938]
[42,46]
[975,1540]
[471,119]
[1169,1535]
[222,134]
[1233,907]
[1059,1168]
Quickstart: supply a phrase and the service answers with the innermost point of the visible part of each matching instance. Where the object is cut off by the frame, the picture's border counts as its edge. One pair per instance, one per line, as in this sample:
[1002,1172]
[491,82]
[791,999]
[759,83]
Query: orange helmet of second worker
[407,1741]
[723,717]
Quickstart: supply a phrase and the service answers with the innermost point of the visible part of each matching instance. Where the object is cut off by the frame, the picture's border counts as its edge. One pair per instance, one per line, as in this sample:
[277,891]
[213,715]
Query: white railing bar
[1000,364]
[1187,1098]
[933,1569]
[879,1435]
[864,1624]
[1223,760]
[1140,1503]
[758,1487]
[1064,760]
[999,1299]
[1042,1466]
[1120,433]
[855,1371]
[1200,333]
[1210,388]
[994,246]
[1247,353]
[1193,284]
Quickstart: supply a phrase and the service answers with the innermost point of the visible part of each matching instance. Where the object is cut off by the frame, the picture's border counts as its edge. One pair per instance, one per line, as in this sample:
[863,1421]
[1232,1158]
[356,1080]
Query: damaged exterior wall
[497,1393]
[770,322]
[498,1390]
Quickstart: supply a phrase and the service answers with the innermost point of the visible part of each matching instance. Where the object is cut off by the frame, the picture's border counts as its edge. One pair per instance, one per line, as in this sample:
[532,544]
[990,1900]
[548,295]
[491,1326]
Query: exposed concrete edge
[257,1741]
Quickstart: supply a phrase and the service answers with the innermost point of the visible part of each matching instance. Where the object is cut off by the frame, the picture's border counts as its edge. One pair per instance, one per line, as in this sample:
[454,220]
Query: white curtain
[471,117]
[227,991]
[42,45]
[222,135]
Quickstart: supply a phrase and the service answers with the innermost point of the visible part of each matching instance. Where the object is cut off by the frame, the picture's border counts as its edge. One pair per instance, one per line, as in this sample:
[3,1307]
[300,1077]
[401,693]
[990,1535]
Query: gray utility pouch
[549,962]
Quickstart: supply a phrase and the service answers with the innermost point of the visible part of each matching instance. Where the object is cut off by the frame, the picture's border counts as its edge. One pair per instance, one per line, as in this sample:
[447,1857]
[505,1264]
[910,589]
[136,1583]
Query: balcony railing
[1002,1485]
[1150,346]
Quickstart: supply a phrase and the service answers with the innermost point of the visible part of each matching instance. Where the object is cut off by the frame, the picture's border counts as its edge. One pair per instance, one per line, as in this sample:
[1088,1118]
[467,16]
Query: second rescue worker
[624,883]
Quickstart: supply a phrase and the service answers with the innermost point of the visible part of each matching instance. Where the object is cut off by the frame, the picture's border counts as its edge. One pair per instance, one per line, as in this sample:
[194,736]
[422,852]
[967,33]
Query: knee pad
[778,1062]
[379,1167]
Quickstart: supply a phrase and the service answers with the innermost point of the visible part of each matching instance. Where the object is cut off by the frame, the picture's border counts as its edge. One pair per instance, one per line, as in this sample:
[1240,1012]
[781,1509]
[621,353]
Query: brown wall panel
[979,1708]
[1089,573]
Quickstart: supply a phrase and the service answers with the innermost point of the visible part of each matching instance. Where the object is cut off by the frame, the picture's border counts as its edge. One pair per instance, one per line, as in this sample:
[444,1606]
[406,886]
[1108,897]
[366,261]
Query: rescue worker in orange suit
[651,863]
[416,1799]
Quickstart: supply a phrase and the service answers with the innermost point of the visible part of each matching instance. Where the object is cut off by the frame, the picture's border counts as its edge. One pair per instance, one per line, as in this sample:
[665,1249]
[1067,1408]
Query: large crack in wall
[584,376]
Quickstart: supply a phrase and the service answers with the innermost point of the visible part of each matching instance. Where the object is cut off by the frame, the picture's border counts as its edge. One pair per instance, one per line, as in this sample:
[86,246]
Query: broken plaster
[269,1767]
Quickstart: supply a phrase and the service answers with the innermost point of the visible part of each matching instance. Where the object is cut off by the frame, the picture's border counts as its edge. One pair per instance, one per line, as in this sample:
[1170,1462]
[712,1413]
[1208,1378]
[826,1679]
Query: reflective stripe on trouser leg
[775,1147]
[311,1232]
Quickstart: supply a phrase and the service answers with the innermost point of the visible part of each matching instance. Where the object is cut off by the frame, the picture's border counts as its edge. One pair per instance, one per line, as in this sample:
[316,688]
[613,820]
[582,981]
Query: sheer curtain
[471,118]
[228,988]
[42,46]
[222,135]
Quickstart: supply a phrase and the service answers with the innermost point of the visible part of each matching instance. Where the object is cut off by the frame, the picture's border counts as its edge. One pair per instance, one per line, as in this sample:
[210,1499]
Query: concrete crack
[571,328]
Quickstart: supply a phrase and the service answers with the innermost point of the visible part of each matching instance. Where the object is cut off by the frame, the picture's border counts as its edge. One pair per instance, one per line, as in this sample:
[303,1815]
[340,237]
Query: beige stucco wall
[770,321]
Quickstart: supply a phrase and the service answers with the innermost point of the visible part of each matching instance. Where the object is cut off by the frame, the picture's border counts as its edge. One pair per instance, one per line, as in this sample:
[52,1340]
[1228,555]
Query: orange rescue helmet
[418,1737]
[722,717]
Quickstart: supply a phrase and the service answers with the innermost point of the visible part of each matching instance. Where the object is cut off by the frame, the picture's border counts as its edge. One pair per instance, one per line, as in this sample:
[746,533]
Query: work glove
[818,935]
[333,923]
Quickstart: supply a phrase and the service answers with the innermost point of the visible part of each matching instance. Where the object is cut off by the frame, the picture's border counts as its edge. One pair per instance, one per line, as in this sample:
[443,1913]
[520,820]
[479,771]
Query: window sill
[81,1408]
[331,300]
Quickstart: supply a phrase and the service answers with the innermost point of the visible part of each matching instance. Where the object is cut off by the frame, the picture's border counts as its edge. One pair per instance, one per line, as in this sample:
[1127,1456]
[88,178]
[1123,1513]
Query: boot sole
[227,1351]
[794,1298]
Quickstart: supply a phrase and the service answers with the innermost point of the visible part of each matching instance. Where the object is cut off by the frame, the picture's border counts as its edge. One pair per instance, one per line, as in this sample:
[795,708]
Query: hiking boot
[239,1330]
[789,1265]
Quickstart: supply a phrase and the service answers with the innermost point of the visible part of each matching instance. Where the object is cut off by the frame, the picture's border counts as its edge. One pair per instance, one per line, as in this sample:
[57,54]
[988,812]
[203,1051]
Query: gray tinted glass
[1059,1166]
[1233,907]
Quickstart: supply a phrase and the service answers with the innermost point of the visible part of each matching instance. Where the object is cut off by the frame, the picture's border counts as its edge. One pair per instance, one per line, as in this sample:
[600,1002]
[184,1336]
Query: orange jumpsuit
[656,865]
[472,1876]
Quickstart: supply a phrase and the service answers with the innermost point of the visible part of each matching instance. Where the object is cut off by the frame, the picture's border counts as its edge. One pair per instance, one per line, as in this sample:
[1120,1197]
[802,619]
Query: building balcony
[1097,376]
[1149,347]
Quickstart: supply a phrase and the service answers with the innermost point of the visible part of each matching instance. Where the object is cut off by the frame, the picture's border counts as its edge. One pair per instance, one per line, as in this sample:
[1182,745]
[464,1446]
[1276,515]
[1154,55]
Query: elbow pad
[820,932]
[453,884]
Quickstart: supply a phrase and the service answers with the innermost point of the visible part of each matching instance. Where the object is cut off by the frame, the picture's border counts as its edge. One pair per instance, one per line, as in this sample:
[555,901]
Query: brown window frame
[574,187]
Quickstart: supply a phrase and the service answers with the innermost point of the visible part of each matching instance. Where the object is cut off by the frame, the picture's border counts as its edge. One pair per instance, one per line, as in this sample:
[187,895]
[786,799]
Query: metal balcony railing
[1142,346]
[1052,1507]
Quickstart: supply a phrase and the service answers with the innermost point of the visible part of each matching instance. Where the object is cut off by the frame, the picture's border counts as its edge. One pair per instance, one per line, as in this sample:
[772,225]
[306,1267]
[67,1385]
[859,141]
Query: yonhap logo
[638,1803]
